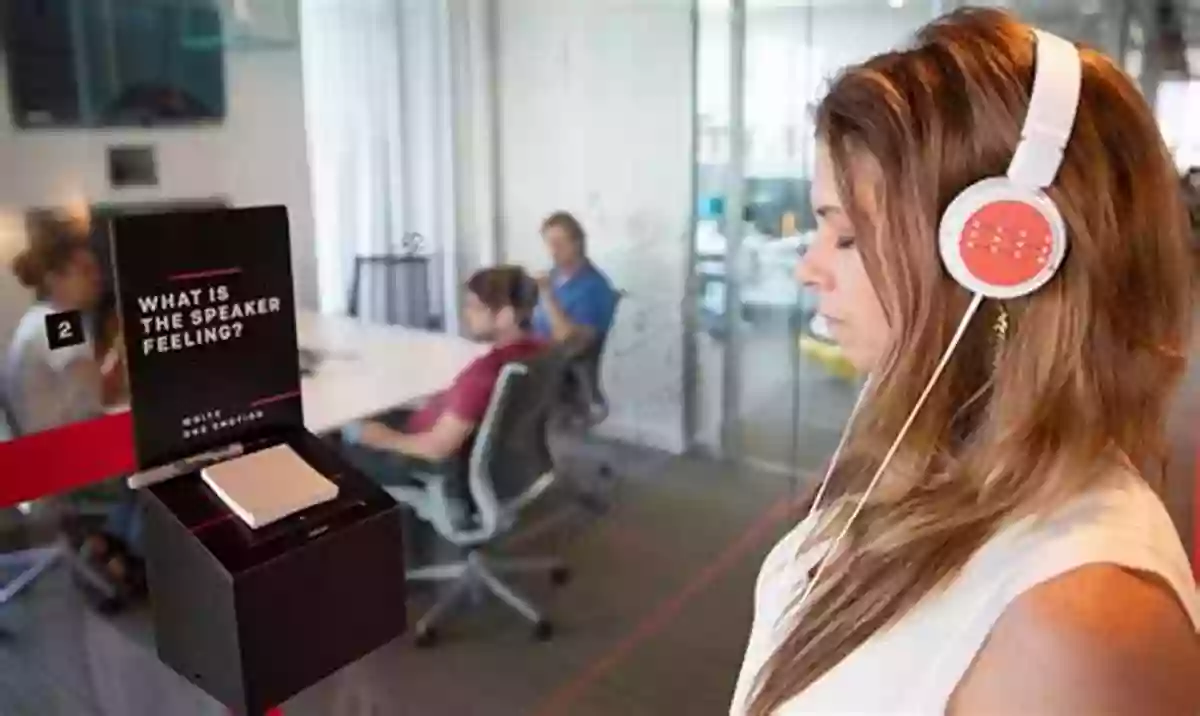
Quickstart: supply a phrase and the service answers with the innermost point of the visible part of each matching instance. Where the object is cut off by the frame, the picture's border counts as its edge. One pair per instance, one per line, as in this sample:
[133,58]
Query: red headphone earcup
[1002,240]
[1006,243]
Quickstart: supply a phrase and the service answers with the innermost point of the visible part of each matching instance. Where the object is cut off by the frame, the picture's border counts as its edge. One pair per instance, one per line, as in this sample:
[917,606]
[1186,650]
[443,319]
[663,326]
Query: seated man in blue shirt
[575,295]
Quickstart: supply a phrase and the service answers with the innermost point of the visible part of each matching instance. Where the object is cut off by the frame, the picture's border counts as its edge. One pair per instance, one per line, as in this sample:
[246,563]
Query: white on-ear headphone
[1000,238]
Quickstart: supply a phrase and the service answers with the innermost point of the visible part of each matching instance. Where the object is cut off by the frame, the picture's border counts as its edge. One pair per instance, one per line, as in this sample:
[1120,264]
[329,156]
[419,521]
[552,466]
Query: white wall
[594,107]
[256,155]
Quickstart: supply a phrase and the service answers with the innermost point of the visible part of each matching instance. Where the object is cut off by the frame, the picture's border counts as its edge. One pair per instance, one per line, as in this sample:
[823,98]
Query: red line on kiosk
[211,523]
[275,398]
[205,274]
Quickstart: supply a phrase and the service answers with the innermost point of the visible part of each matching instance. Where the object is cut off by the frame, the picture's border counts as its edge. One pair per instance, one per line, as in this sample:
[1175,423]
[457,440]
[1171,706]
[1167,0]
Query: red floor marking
[559,701]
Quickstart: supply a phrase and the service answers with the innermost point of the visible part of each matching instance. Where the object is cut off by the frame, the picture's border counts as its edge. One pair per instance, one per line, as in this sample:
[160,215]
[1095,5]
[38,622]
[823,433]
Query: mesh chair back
[583,390]
[510,454]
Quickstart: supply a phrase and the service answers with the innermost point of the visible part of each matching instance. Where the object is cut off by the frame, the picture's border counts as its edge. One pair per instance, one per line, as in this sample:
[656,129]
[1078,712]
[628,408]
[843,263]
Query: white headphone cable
[837,453]
[976,301]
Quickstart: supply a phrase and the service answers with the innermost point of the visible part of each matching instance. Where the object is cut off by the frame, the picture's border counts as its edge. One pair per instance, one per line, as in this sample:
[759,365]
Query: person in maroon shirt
[499,307]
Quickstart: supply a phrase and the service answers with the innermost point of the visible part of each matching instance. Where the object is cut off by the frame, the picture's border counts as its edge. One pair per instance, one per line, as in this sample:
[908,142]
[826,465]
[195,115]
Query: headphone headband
[1057,79]
[1000,238]
[1003,236]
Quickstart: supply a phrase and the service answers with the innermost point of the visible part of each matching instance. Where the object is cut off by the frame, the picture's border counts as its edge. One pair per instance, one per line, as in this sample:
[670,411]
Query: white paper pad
[268,485]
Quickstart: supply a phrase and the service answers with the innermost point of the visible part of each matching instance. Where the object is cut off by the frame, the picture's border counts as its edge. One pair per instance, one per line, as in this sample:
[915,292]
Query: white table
[367,368]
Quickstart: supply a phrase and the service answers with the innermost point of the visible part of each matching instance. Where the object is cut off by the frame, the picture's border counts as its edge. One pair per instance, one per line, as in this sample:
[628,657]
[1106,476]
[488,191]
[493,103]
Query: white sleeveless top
[913,666]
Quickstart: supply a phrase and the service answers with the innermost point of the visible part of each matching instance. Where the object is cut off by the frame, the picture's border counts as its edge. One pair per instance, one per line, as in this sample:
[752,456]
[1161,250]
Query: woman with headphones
[1002,248]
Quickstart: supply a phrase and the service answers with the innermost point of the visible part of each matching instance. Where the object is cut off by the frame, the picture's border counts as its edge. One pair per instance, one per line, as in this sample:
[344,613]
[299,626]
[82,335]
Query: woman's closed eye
[845,242]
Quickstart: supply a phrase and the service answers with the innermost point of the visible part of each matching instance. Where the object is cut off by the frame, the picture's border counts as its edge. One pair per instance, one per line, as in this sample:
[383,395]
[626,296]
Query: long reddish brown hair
[1012,428]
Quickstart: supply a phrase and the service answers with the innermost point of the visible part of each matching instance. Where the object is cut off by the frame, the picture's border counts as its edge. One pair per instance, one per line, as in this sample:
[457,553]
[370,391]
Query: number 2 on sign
[64,329]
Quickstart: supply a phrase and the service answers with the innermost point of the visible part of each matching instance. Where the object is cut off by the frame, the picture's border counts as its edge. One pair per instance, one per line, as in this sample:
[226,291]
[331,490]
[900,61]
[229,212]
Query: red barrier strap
[66,458]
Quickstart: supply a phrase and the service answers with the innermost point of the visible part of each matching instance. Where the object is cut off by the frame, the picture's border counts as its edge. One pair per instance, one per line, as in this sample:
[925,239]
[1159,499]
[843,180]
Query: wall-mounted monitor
[103,63]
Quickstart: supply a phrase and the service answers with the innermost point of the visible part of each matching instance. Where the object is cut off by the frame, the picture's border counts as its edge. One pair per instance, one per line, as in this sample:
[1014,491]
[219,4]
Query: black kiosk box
[251,616]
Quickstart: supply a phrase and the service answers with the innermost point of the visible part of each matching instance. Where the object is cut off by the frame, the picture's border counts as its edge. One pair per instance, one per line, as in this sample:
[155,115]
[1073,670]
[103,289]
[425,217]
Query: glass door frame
[732,329]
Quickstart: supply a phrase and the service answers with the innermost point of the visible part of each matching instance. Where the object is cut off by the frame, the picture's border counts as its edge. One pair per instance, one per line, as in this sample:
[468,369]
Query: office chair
[585,401]
[508,469]
[584,404]
[394,287]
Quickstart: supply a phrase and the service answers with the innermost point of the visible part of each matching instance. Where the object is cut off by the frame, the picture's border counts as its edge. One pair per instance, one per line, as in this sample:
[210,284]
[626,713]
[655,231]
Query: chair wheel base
[426,638]
[543,631]
[560,576]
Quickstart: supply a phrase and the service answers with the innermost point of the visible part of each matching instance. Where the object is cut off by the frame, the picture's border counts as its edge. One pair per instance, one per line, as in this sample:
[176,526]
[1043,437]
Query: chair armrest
[428,479]
[532,493]
[430,499]
[430,472]
[432,505]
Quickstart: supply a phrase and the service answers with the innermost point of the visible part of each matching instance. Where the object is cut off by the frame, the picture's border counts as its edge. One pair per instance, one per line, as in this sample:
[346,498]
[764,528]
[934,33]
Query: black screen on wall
[97,63]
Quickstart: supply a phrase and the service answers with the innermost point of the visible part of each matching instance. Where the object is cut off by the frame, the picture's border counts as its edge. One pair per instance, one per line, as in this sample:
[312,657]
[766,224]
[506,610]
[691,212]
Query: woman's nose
[811,269]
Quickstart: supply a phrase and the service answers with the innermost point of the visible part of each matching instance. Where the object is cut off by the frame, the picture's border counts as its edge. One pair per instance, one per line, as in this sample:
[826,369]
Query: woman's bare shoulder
[1098,639]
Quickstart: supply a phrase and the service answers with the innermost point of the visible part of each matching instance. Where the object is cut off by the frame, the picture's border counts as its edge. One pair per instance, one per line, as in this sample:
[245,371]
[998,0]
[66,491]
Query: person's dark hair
[51,246]
[503,287]
[566,221]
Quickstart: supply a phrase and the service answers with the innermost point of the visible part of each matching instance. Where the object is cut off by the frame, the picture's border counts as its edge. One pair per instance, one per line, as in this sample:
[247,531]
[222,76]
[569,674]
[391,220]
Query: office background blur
[468,121]
[677,131]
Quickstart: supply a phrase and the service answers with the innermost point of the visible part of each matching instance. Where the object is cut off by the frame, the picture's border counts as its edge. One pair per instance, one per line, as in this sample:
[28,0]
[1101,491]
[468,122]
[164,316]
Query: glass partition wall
[771,390]
[774,391]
